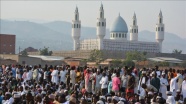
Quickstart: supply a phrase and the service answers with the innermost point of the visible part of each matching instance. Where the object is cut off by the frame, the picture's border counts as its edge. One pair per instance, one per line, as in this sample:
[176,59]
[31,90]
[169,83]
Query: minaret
[76,29]
[134,29]
[160,31]
[101,27]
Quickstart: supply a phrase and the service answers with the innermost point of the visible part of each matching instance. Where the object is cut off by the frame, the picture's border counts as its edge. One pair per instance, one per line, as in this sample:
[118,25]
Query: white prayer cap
[98,69]
[115,98]
[163,73]
[122,99]
[158,97]
[8,93]
[143,72]
[120,102]
[168,93]
[113,75]
[16,96]
[153,72]
[141,97]
[178,90]
[102,97]
[100,102]
[65,90]
[109,98]
[32,93]
[43,92]
[22,93]
[150,93]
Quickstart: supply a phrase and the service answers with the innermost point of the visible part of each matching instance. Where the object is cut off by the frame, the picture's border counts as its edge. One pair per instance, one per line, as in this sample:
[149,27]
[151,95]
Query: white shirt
[10,101]
[103,82]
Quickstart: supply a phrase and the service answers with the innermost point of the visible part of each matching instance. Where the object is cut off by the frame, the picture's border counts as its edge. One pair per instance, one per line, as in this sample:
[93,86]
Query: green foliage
[128,63]
[176,51]
[45,52]
[24,52]
[96,56]
[136,55]
[116,62]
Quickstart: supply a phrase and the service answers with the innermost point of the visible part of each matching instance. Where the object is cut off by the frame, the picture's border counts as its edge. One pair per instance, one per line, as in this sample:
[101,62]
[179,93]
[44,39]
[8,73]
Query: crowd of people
[89,85]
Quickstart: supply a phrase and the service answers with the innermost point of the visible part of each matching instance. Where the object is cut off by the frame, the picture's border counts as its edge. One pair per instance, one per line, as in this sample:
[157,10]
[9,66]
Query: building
[7,44]
[118,35]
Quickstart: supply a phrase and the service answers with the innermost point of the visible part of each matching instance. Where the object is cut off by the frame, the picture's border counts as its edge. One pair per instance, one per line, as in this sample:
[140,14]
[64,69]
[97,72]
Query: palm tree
[176,51]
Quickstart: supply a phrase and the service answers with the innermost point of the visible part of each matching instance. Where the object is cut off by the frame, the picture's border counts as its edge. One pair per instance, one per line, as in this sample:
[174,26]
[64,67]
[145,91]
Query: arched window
[160,20]
[119,35]
[125,35]
[122,35]
[113,35]
[99,24]
[100,14]
[74,25]
[102,23]
[158,28]
[116,35]
[77,25]
[162,29]
[134,30]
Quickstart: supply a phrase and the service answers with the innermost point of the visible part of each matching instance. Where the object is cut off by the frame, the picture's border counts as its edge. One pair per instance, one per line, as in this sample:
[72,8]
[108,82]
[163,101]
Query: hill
[57,35]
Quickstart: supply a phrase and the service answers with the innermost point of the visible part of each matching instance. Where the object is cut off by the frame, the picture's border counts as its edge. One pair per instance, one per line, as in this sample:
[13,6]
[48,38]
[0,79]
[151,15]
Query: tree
[136,55]
[128,63]
[24,52]
[176,51]
[116,62]
[45,52]
[96,56]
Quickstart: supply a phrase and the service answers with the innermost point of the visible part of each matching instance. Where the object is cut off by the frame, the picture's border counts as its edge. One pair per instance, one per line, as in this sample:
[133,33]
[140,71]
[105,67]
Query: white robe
[54,75]
[184,89]
[163,87]
[170,100]
[72,76]
[62,76]
[173,86]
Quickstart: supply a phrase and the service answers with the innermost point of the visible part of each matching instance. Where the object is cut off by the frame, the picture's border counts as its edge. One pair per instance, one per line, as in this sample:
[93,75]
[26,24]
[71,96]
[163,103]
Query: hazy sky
[174,12]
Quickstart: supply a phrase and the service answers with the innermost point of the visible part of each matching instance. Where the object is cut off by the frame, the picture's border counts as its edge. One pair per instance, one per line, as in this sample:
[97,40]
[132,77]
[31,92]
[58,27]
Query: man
[63,73]
[155,81]
[130,84]
[104,82]
[170,98]
[183,87]
[72,75]
[35,74]
[163,87]
[98,77]
[116,83]
[9,99]
[142,90]
[124,80]
[143,80]
[173,84]
[54,75]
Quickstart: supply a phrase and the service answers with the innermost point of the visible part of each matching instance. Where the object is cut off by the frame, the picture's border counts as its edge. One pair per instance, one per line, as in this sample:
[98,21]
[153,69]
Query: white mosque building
[118,35]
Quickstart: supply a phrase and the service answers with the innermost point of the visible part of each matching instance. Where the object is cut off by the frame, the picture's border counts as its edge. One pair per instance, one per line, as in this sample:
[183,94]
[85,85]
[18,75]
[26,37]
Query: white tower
[160,31]
[134,29]
[76,29]
[101,27]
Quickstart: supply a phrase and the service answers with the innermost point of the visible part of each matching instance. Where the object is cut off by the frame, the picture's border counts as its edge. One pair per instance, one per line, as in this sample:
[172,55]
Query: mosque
[118,35]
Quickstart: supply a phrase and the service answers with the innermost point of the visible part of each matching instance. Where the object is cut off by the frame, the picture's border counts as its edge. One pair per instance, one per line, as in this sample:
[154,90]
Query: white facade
[134,29]
[118,36]
[76,29]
